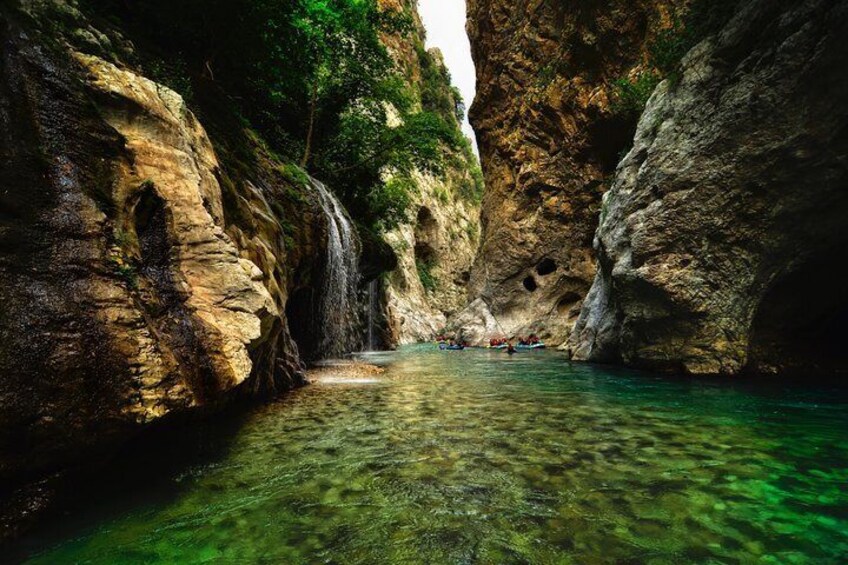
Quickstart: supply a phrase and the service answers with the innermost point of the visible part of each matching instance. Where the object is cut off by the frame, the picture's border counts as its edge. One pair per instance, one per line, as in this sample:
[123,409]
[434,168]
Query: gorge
[202,202]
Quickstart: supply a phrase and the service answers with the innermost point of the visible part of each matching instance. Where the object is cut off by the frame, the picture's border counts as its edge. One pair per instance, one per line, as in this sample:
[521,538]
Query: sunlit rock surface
[189,267]
[442,233]
[441,237]
[130,293]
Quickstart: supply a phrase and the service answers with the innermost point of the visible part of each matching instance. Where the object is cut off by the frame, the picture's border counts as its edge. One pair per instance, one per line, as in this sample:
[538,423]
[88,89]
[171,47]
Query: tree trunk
[312,109]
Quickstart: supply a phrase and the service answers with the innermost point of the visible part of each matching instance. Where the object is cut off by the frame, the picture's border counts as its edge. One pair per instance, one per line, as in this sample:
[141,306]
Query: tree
[314,79]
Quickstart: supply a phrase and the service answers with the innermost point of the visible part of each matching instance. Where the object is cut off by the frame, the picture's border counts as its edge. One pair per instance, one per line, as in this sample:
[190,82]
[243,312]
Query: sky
[445,24]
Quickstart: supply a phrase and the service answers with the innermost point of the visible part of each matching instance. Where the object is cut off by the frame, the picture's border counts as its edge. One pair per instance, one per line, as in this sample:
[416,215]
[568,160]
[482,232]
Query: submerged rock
[722,238]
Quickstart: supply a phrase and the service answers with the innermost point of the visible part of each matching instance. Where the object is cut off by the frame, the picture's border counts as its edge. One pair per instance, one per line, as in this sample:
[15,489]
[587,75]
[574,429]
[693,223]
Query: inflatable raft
[530,347]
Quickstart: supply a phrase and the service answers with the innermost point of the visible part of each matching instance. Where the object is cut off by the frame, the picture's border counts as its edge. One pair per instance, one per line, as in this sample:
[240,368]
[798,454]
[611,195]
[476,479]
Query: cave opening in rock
[424,252]
[300,312]
[426,226]
[608,138]
[426,236]
[425,216]
[530,284]
[800,325]
[546,267]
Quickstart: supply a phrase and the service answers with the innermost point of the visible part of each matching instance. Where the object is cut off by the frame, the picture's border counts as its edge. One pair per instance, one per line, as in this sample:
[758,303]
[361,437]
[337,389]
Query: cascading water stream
[373,303]
[337,308]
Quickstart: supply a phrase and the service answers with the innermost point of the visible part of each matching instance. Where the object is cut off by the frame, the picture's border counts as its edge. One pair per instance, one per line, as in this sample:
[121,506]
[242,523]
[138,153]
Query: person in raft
[510,349]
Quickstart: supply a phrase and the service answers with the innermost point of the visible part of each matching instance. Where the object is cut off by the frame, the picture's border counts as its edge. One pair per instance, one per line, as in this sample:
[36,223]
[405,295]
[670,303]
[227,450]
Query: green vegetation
[666,51]
[472,230]
[294,174]
[313,78]
[437,94]
[173,74]
[426,276]
[127,272]
[120,257]
[632,95]
[470,186]
[392,200]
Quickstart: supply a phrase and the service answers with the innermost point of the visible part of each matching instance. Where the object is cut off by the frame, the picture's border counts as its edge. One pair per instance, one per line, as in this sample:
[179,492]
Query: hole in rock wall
[151,226]
[425,217]
[546,267]
[426,235]
[608,137]
[530,284]
[426,226]
[424,252]
[800,325]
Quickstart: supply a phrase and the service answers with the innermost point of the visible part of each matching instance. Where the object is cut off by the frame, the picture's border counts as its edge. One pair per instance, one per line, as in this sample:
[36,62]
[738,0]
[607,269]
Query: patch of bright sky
[445,24]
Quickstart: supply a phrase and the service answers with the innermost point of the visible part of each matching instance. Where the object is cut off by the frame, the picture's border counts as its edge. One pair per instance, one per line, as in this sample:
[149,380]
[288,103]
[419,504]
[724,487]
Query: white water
[337,310]
[373,301]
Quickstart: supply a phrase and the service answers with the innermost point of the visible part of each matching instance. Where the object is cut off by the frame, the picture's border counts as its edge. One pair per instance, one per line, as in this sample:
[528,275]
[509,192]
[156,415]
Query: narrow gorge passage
[446,282]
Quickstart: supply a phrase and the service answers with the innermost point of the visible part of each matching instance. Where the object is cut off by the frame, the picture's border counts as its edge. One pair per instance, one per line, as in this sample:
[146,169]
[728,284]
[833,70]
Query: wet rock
[140,281]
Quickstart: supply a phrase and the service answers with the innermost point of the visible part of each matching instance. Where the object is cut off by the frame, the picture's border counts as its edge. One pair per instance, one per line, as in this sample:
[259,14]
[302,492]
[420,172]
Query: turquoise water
[476,457]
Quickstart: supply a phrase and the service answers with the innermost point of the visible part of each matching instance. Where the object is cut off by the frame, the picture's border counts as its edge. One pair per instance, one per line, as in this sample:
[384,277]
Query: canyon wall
[722,240]
[437,245]
[549,141]
[159,262]
[145,261]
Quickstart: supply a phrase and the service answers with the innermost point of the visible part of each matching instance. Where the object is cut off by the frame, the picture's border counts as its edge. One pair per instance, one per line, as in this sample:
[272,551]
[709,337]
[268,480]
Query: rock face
[437,246]
[171,218]
[722,239]
[440,241]
[548,142]
[144,270]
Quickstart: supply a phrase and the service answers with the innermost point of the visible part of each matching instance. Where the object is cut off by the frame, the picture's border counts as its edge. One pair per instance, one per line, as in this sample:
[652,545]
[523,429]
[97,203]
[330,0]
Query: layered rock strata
[144,270]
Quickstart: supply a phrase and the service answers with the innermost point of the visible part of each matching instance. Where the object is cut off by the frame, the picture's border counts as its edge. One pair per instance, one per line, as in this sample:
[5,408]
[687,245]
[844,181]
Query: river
[476,457]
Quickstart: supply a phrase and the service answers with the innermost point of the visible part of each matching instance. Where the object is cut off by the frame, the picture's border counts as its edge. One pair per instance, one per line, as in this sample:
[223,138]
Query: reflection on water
[475,457]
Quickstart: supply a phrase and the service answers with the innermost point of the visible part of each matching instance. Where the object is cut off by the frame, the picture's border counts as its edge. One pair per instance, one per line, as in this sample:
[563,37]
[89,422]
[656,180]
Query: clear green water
[475,457]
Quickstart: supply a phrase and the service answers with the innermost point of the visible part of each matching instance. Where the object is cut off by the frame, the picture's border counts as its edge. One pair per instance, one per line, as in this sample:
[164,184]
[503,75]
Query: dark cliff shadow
[148,469]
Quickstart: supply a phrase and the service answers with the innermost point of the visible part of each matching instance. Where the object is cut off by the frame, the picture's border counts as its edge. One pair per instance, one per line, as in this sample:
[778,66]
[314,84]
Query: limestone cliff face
[440,242]
[548,142]
[437,246]
[722,240]
[144,269]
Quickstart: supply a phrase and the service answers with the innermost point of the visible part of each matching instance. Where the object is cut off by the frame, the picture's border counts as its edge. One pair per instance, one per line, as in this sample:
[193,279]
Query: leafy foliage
[426,276]
[667,50]
[314,79]
[437,95]
[632,95]
[391,201]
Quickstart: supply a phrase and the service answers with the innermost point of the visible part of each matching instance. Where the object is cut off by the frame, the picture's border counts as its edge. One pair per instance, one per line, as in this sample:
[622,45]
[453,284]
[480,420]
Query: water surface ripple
[475,457]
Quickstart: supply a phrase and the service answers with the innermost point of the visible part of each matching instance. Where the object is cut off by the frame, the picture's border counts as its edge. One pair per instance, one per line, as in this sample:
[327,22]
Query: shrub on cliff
[666,51]
[312,76]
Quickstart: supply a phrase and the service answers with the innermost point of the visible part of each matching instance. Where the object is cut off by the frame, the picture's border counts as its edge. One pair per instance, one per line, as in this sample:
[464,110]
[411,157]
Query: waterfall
[373,304]
[337,310]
